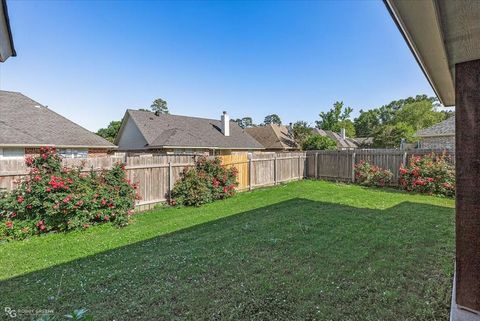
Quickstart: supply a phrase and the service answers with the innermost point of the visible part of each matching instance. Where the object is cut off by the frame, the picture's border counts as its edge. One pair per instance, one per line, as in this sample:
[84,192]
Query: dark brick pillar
[467,113]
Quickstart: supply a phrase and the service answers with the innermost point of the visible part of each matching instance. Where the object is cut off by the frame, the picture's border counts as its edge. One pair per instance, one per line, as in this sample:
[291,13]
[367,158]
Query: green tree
[244,122]
[419,114]
[398,118]
[272,119]
[111,131]
[317,142]
[387,113]
[367,122]
[337,118]
[301,131]
[391,135]
[159,106]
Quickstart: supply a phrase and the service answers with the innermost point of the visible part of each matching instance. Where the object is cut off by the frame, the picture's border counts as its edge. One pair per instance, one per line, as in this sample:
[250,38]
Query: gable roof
[25,122]
[167,130]
[363,141]
[273,136]
[444,128]
[342,143]
[7,48]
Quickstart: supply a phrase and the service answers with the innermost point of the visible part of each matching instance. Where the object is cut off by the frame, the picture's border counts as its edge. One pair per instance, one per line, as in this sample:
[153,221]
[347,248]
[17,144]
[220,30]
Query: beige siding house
[146,132]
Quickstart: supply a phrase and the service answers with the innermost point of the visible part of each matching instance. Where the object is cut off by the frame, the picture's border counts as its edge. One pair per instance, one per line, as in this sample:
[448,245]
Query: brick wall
[32,151]
[92,152]
[96,152]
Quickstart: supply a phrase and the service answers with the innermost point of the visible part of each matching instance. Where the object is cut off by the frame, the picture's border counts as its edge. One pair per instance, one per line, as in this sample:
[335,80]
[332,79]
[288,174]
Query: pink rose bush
[55,198]
[372,175]
[430,174]
[208,181]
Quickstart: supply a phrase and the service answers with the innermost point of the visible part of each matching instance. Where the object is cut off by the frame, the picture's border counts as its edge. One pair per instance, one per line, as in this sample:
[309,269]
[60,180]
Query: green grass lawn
[307,250]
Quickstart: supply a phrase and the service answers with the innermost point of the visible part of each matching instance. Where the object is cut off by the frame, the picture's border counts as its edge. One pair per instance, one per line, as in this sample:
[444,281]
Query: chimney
[342,133]
[225,124]
[290,128]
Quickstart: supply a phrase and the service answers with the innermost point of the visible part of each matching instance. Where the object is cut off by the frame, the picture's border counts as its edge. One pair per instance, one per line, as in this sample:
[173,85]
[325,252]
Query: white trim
[419,23]
[203,147]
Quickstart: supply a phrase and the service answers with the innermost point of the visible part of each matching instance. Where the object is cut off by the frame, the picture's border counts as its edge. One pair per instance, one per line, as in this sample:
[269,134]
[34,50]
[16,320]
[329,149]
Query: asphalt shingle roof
[26,122]
[184,131]
[444,128]
[342,143]
[273,136]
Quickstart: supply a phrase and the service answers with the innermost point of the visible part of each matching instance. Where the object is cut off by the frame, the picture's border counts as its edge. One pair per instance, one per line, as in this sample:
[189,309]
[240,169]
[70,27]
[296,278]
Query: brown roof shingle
[184,131]
[273,136]
[444,128]
[25,122]
[341,143]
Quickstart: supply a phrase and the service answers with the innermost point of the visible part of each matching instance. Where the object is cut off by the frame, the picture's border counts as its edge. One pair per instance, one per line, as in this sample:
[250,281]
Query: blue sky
[90,60]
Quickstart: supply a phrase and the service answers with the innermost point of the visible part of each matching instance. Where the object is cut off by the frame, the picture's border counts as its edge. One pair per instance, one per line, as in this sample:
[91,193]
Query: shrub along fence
[157,174]
[339,165]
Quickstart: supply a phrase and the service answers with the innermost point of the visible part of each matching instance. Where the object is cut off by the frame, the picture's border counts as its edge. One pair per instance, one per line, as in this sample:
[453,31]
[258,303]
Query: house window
[12,152]
[73,153]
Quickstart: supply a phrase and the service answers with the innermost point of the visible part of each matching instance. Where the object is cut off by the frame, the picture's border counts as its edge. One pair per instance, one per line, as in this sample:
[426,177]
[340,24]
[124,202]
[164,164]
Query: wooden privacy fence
[272,169]
[257,170]
[340,165]
[240,162]
[157,174]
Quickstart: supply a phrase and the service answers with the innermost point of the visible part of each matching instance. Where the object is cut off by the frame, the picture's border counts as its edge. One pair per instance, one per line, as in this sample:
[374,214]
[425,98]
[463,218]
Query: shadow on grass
[294,260]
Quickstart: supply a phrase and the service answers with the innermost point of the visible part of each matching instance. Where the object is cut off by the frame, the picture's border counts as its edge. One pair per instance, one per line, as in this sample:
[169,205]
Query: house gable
[129,136]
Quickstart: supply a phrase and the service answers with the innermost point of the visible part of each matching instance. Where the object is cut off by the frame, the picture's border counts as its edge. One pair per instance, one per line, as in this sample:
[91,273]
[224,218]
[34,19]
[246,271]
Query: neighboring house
[6,40]
[143,131]
[26,125]
[438,136]
[363,142]
[343,142]
[273,137]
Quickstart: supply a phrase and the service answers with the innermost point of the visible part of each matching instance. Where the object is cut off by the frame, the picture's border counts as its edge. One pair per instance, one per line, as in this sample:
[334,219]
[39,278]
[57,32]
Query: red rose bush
[56,198]
[431,174]
[372,175]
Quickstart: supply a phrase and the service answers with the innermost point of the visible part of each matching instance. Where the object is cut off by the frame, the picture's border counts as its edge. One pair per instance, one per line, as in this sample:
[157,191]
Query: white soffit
[440,33]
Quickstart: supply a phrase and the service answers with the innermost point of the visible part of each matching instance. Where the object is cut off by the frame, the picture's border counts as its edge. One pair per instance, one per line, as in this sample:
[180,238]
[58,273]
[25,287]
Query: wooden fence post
[353,166]
[170,180]
[338,163]
[316,165]
[299,167]
[404,159]
[250,173]
[275,164]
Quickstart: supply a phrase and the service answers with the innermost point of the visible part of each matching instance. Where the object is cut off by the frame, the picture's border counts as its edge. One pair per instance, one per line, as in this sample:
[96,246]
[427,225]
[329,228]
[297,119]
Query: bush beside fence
[157,174]
[339,165]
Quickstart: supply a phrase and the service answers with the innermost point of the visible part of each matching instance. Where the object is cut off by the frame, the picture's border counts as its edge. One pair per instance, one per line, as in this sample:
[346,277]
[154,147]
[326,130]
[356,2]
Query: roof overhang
[6,40]
[59,146]
[440,34]
[434,135]
[203,147]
